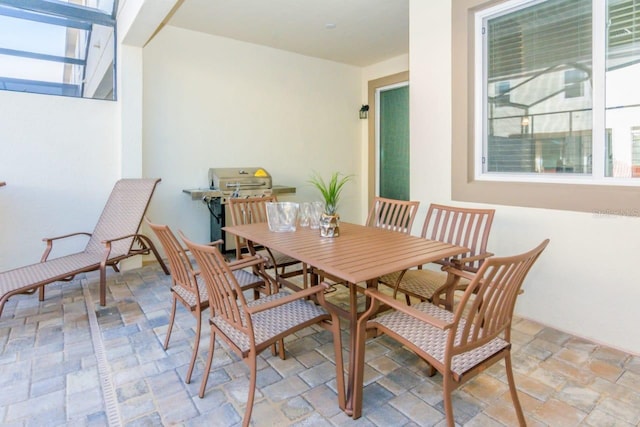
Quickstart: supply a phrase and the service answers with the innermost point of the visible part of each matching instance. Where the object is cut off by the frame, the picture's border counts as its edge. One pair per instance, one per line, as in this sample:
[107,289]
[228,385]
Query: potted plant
[330,191]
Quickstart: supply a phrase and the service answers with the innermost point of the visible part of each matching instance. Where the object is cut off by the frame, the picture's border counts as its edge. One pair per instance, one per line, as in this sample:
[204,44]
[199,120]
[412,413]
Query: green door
[393,145]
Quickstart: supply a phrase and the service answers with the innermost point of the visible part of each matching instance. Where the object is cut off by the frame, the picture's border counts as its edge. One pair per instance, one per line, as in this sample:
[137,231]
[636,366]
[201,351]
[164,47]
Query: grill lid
[230,179]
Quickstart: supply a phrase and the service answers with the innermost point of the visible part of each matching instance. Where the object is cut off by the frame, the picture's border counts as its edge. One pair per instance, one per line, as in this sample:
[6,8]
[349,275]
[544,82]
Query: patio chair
[114,238]
[249,328]
[391,214]
[189,288]
[465,227]
[254,210]
[457,344]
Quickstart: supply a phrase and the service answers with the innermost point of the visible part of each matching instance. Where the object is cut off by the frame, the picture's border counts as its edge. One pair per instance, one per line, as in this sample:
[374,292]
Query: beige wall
[582,283]
[216,102]
[59,159]
[430,103]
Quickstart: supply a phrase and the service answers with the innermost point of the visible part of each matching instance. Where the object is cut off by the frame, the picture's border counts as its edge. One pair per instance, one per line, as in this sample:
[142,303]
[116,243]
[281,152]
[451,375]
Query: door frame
[374,85]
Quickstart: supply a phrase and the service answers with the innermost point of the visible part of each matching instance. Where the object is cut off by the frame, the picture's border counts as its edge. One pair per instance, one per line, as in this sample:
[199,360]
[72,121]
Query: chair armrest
[457,272]
[407,309]
[245,262]
[240,264]
[51,239]
[305,293]
[216,243]
[128,236]
[460,262]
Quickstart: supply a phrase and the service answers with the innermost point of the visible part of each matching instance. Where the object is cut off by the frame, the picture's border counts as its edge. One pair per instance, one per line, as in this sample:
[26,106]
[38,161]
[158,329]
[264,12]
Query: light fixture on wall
[364,112]
[524,125]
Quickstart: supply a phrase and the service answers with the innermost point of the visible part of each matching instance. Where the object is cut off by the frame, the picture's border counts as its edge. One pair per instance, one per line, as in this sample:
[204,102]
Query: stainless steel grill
[238,179]
[226,183]
[234,182]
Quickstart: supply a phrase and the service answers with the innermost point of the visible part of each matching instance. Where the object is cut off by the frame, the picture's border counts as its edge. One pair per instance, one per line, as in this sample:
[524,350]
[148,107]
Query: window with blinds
[622,109]
[538,85]
[546,35]
[623,34]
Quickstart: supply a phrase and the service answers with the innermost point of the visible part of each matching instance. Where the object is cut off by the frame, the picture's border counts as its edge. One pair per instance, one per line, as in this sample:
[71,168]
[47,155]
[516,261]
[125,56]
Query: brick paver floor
[68,361]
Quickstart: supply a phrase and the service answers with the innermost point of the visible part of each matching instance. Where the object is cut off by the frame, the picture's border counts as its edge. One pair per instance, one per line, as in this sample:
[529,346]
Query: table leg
[353,322]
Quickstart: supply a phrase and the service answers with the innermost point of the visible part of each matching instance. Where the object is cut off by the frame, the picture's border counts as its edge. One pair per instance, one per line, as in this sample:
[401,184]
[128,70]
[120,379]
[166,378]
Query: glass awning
[58,47]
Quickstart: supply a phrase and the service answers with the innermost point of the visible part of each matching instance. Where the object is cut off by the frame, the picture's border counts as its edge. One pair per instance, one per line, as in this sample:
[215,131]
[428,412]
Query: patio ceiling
[356,32]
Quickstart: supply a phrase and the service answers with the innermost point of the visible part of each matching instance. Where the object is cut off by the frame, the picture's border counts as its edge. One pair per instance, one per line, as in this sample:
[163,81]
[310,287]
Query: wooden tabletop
[359,254]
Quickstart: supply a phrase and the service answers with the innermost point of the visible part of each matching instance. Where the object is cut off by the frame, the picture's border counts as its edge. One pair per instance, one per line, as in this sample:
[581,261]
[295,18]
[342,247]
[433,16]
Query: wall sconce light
[525,121]
[364,112]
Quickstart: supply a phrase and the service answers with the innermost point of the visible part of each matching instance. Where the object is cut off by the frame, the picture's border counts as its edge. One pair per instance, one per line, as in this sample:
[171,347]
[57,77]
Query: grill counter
[226,183]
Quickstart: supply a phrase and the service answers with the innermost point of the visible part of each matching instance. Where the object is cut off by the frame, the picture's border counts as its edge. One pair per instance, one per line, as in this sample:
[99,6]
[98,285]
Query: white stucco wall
[60,161]
[216,102]
[582,284]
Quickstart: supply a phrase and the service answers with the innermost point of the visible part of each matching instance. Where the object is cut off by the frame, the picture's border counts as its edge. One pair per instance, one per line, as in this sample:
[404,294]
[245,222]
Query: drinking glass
[315,213]
[304,213]
[282,216]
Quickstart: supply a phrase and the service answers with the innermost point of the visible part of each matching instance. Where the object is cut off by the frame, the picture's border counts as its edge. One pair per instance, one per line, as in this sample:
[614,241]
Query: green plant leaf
[331,189]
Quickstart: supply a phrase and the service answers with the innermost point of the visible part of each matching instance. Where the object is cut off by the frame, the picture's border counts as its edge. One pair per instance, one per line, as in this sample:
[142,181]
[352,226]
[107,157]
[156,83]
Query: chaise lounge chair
[114,238]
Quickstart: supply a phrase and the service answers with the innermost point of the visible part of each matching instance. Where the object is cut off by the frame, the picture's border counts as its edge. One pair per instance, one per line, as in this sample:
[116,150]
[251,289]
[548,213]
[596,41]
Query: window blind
[547,34]
[623,35]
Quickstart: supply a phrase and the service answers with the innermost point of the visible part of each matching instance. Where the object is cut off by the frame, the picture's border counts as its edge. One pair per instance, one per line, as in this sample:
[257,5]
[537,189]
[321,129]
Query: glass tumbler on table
[315,213]
[282,216]
[304,213]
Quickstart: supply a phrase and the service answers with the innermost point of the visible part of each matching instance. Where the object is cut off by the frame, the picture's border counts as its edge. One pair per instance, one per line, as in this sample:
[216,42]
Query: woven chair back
[248,211]
[179,263]
[391,214]
[122,215]
[460,226]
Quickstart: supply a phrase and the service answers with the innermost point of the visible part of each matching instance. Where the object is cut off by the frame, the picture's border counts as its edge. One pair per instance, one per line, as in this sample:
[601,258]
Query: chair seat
[30,276]
[420,283]
[390,279]
[190,297]
[273,322]
[245,279]
[433,341]
[280,258]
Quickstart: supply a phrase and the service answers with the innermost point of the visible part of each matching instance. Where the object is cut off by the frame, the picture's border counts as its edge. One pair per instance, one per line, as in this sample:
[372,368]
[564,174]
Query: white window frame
[597,176]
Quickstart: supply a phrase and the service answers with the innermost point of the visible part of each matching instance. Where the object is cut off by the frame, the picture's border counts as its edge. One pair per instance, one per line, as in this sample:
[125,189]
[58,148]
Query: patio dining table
[360,254]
